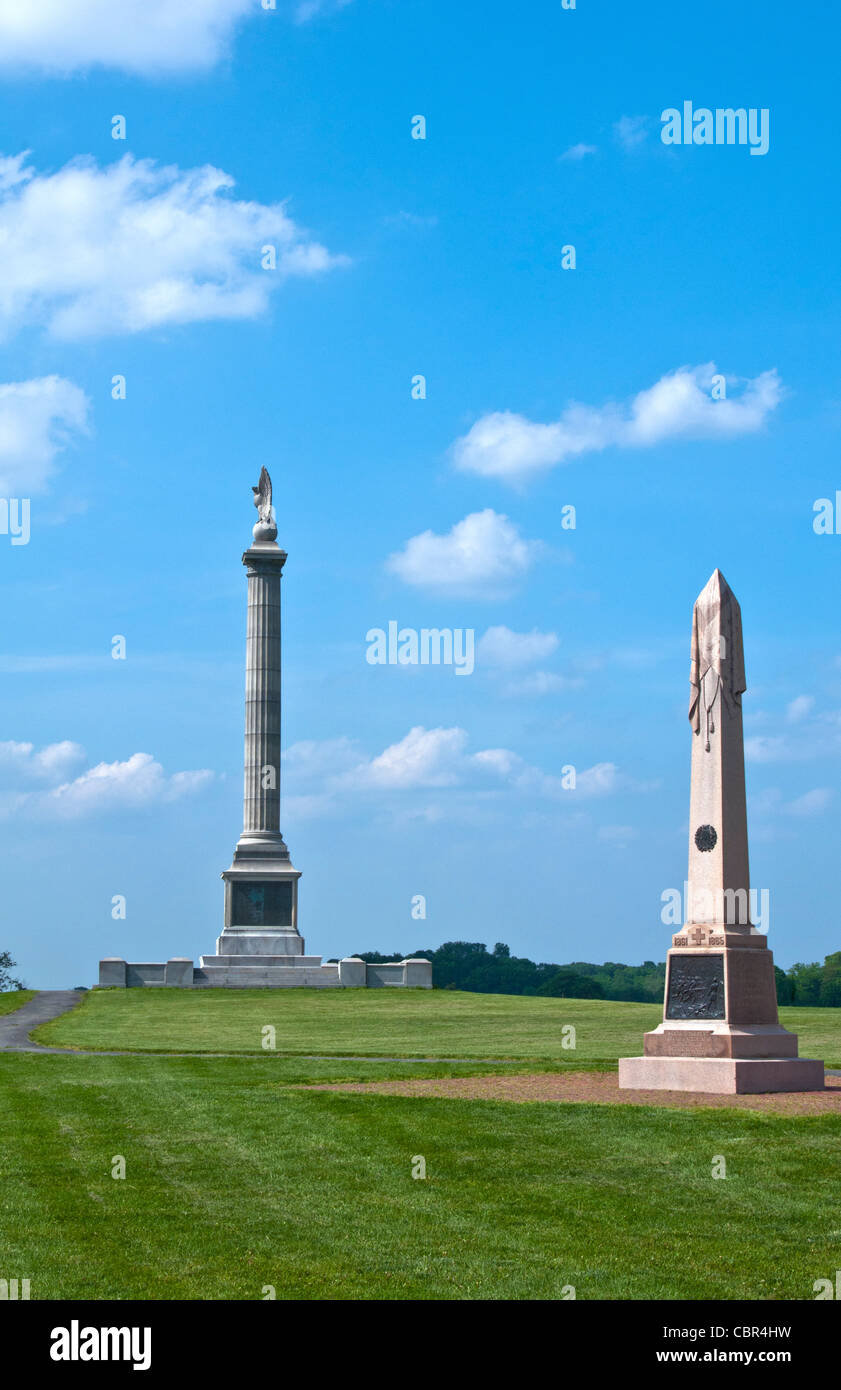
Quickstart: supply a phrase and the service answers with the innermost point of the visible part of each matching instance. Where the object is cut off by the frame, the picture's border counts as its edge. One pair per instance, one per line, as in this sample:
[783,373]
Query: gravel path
[601,1088]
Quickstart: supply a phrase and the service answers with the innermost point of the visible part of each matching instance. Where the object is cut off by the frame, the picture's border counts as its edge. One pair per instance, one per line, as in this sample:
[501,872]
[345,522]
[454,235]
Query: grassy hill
[13,999]
[410,1023]
[234,1181]
[237,1182]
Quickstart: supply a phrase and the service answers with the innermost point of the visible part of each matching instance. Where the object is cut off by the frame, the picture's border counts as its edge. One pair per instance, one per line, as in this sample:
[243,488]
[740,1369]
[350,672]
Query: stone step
[265,977]
[242,941]
[287,962]
[721,1075]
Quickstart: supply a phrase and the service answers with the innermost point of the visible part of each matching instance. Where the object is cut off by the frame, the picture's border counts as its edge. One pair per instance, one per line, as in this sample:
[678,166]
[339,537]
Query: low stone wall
[181,973]
[413,974]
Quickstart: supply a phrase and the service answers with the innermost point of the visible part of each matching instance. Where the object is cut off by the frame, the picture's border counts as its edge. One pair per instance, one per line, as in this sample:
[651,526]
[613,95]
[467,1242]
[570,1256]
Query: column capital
[264,559]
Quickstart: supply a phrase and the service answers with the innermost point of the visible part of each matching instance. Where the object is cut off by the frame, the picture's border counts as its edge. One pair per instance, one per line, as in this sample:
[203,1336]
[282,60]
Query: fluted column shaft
[261,802]
[261,795]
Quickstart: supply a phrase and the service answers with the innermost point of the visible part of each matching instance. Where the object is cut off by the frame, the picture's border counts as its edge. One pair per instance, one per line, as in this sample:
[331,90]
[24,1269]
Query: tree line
[469,965]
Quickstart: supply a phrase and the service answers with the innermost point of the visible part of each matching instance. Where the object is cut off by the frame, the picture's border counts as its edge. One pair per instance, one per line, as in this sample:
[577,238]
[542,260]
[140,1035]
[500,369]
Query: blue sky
[546,388]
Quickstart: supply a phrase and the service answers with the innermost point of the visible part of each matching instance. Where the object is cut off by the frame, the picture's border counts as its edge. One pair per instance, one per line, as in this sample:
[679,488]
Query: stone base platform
[265,941]
[721,1075]
[719,1039]
[211,974]
[247,971]
[248,962]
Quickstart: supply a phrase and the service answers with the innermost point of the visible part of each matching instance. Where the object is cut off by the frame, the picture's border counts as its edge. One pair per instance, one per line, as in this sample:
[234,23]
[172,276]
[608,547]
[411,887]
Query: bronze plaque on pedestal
[262,904]
[696,986]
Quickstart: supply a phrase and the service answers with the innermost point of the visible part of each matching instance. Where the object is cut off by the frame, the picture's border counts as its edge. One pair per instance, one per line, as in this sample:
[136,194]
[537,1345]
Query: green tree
[6,980]
[453,962]
[807,982]
[566,984]
[830,990]
[470,966]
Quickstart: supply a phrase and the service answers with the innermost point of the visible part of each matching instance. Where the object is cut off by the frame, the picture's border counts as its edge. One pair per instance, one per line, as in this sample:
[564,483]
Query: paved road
[15,1027]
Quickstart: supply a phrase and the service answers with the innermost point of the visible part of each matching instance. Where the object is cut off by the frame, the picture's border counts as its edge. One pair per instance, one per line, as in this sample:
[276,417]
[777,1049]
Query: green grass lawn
[14,999]
[403,1023]
[234,1182]
[406,1023]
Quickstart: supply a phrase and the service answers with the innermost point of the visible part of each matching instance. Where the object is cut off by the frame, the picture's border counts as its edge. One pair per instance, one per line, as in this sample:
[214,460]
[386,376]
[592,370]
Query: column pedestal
[261,912]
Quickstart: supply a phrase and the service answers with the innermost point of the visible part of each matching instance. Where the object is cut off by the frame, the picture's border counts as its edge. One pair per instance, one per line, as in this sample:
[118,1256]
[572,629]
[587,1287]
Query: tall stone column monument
[260,946]
[261,886]
[721,1030]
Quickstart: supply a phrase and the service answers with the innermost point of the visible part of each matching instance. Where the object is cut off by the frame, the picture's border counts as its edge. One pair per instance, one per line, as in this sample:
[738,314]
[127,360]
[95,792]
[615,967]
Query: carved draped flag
[718,658]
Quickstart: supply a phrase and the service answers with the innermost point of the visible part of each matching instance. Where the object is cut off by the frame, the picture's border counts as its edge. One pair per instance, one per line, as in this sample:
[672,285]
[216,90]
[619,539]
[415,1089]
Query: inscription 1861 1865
[696,987]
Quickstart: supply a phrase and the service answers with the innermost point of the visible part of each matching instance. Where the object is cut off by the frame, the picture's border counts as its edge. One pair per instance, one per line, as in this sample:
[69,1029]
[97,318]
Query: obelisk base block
[721,1031]
[721,1075]
[719,1040]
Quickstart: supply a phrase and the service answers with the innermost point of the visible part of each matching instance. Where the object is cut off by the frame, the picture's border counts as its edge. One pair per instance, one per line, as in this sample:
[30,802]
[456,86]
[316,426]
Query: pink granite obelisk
[721,1031]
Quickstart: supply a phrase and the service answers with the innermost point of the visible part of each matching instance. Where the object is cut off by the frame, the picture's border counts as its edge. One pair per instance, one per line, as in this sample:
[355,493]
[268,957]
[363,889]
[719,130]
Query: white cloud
[603,779]
[19,761]
[599,780]
[770,803]
[579,151]
[318,758]
[540,683]
[505,445]
[138,782]
[424,758]
[318,772]
[804,737]
[427,759]
[57,760]
[763,748]
[139,36]
[145,37]
[38,418]
[133,246]
[799,708]
[500,761]
[619,835]
[630,131]
[499,646]
[680,405]
[811,803]
[481,555]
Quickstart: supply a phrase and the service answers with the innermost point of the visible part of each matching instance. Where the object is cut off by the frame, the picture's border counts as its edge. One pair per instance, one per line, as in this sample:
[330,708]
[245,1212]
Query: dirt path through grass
[601,1088]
